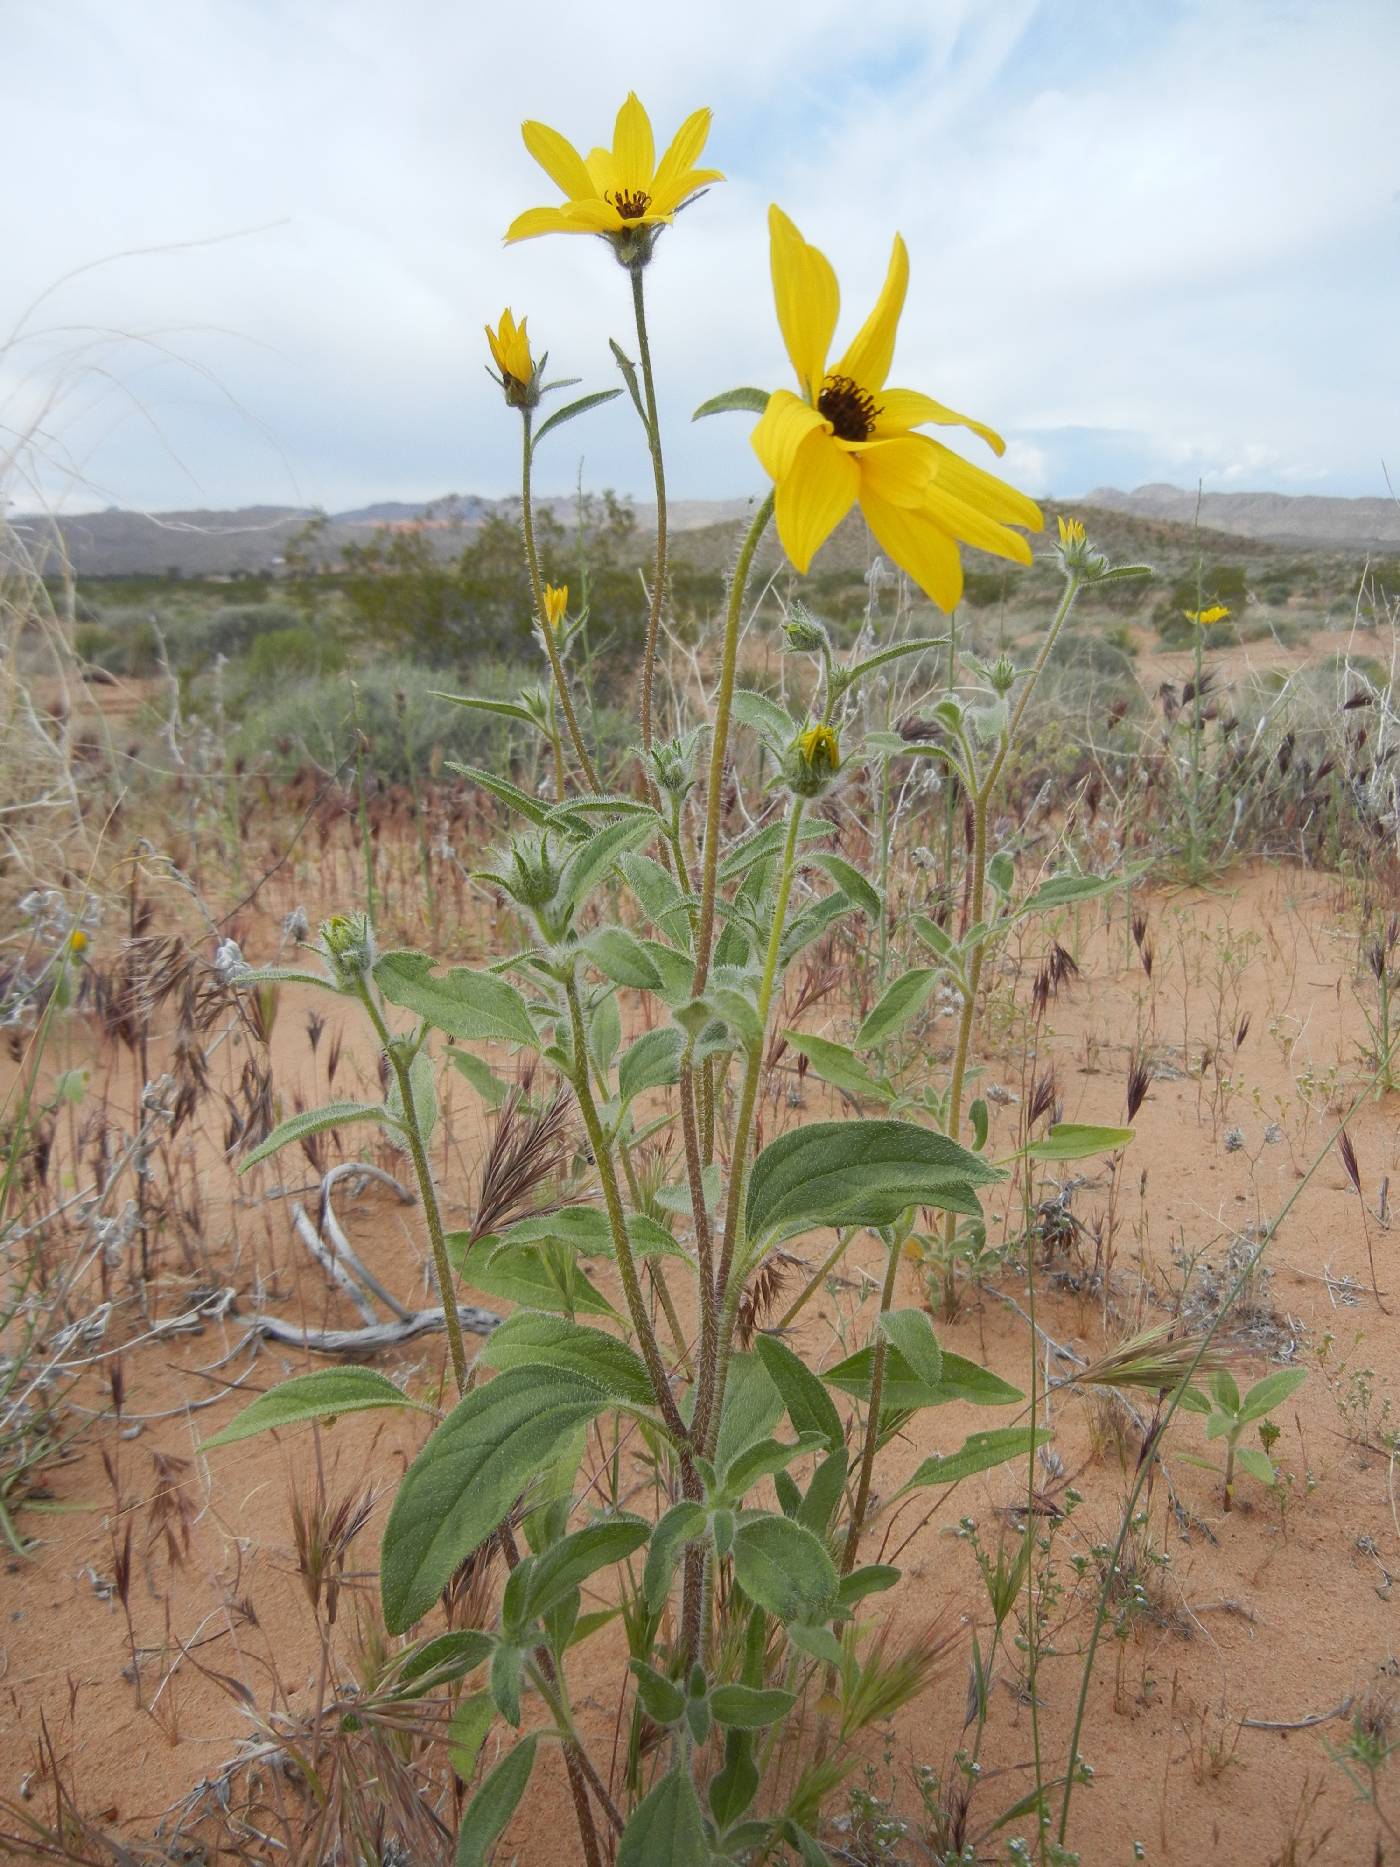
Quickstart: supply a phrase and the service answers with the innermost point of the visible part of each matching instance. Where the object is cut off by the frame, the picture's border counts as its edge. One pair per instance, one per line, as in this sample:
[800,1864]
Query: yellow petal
[919,545]
[537,220]
[807,298]
[974,527]
[984,490]
[602,171]
[666,200]
[634,153]
[782,428]
[817,492]
[898,471]
[906,408]
[871,351]
[592,216]
[560,161]
[683,153]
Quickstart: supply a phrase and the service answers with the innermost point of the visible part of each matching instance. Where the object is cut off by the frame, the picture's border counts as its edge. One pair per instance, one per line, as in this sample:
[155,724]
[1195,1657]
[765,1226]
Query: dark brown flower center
[630,203]
[850,409]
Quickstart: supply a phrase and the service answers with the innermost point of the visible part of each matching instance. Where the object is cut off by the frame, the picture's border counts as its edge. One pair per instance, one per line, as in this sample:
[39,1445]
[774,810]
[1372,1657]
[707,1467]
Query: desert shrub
[300,650]
[402,712]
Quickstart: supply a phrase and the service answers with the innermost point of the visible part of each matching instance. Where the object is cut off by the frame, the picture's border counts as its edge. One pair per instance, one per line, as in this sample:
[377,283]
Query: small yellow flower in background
[1071,531]
[847,437]
[1203,618]
[511,348]
[77,941]
[556,603]
[617,192]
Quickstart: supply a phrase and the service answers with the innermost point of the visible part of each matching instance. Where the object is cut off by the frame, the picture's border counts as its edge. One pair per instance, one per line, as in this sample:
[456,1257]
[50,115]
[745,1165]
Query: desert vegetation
[703,1196]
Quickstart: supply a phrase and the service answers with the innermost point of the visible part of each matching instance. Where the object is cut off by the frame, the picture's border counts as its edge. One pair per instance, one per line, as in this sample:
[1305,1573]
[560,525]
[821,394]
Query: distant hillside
[1280,518]
[252,540]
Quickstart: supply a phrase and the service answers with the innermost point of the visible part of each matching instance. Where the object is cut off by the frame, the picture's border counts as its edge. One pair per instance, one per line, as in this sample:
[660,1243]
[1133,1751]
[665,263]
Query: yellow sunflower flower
[623,193]
[1203,618]
[847,437]
[556,603]
[1071,531]
[510,348]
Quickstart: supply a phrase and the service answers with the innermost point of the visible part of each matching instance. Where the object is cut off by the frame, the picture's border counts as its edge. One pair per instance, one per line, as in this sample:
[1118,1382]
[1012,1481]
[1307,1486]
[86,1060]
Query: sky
[251,244]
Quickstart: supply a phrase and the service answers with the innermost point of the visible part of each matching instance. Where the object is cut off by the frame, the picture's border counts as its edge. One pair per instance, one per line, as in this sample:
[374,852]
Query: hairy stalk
[658,468]
[719,744]
[654,1270]
[982,795]
[612,1198]
[532,561]
[1148,1457]
[427,1192]
[704,1248]
[731,1271]
[872,1418]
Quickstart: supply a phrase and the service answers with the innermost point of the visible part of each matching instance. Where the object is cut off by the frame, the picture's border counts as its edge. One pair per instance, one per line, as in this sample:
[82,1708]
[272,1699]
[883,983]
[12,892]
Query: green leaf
[468,1475]
[758,844]
[817,1509]
[506,709]
[316,1121]
[733,1788]
[1062,891]
[762,1460]
[570,1562]
[734,401]
[784,1569]
[810,925]
[581,407]
[629,376]
[873,1579]
[981,1122]
[850,881]
[857,1173]
[620,956]
[319,1396]
[653,1062]
[1257,1463]
[1069,1140]
[522,1274]
[666,1826]
[448,1657]
[478,1072]
[508,1660]
[772,723]
[1227,1394]
[588,1230]
[749,1709]
[897,1005]
[961,1380]
[677,971]
[809,1406]
[659,895]
[911,1332]
[287,975]
[932,935]
[461,1002]
[510,794]
[530,1340]
[752,1408]
[978,1453]
[918,645]
[1271,1392]
[493,1805]
[590,864]
[680,1525]
[662,1699]
[819,1642]
[467,1732]
[838,1065]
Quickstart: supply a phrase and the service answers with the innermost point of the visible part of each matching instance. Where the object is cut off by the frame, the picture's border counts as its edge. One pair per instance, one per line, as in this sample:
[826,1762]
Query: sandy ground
[1274,1615]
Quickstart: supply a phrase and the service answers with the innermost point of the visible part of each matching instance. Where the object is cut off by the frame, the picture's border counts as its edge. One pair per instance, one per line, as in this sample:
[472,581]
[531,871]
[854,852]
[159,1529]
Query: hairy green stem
[719,744]
[658,468]
[427,1192]
[612,1198]
[532,561]
[872,1418]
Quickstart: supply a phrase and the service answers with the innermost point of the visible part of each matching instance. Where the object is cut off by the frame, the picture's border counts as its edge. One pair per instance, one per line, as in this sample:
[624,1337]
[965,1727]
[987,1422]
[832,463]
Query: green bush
[300,650]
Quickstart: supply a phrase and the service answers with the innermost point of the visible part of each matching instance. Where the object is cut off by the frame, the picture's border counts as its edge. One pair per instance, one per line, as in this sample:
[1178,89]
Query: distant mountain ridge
[252,539]
[1312,519]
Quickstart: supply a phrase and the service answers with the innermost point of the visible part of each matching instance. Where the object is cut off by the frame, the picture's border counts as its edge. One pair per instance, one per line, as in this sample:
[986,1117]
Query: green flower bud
[812,762]
[804,633]
[348,943]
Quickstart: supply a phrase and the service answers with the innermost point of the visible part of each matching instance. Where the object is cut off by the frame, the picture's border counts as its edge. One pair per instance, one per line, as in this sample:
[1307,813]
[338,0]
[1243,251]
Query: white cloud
[1174,225]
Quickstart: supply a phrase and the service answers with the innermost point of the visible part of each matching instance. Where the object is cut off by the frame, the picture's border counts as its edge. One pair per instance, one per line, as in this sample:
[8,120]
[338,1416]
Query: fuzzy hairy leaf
[316,1121]
[784,1569]
[319,1396]
[858,1173]
[470,1472]
[463,1003]
[493,1804]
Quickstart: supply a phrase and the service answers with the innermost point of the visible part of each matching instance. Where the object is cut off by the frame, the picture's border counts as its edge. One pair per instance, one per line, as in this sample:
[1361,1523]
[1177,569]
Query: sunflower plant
[648,984]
